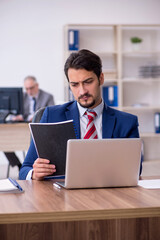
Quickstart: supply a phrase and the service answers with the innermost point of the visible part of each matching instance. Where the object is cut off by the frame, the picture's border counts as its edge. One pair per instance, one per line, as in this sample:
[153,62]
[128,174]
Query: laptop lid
[102,163]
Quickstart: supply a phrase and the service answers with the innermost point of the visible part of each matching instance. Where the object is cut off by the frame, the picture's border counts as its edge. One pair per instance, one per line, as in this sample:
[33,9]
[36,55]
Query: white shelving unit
[138,93]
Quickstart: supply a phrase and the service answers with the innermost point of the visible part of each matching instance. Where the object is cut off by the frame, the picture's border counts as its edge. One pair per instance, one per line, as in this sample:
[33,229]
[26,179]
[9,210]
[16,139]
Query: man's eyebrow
[91,78]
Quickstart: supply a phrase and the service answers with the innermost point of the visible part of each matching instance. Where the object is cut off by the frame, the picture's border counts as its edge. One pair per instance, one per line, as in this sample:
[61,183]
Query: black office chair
[38,114]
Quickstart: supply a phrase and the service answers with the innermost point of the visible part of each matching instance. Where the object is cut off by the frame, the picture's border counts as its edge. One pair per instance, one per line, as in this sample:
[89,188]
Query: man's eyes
[74,84]
[88,81]
[84,83]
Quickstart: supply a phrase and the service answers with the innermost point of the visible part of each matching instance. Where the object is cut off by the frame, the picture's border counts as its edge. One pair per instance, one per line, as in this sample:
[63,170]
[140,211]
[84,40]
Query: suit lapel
[108,122]
[73,113]
[26,104]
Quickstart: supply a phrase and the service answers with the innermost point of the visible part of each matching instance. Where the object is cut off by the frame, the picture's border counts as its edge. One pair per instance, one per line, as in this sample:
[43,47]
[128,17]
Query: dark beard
[87,105]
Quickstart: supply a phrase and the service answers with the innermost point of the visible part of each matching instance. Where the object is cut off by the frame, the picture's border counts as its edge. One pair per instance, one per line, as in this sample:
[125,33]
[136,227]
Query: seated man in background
[33,99]
[83,70]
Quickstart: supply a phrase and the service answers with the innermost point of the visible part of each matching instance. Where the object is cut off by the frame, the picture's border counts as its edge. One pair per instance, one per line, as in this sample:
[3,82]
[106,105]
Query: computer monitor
[11,101]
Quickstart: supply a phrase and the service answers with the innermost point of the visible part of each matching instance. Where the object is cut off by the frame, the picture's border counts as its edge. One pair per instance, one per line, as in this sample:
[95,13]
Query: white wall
[31,34]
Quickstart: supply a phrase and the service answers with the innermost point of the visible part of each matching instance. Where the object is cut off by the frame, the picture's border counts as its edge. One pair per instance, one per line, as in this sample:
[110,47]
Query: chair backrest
[38,114]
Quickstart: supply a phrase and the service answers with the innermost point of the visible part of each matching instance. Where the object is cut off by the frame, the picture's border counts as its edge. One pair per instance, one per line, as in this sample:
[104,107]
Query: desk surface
[42,202]
[14,137]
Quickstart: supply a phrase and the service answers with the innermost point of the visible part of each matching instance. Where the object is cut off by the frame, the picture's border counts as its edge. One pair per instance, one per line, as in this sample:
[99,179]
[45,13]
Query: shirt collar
[97,109]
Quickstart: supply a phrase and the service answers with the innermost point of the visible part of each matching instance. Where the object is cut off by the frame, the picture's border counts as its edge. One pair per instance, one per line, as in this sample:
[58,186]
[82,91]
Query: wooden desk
[45,212]
[14,137]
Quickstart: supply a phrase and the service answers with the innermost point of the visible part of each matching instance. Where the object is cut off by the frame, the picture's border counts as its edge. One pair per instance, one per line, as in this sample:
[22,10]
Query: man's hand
[42,168]
[18,118]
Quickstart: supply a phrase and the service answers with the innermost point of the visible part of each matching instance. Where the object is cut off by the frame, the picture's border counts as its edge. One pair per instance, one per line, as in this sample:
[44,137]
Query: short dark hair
[84,59]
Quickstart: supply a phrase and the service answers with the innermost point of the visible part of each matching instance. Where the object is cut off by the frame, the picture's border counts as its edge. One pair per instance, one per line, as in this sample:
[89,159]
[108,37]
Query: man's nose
[29,91]
[82,89]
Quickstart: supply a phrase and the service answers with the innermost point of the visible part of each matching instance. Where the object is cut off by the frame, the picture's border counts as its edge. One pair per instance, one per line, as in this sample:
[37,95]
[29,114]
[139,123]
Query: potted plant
[136,41]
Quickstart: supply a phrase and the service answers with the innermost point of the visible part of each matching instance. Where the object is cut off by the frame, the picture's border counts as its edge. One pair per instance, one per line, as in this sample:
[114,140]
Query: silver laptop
[102,163]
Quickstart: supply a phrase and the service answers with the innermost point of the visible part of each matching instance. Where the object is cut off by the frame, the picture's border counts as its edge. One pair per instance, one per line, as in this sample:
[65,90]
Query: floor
[13,172]
[151,168]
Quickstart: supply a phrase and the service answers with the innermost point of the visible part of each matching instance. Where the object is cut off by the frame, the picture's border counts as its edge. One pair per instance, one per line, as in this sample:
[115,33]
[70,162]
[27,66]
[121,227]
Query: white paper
[150,184]
[6,185]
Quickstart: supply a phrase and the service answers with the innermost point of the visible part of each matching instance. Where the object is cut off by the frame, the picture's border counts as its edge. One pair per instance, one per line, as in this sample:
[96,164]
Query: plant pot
[136,47]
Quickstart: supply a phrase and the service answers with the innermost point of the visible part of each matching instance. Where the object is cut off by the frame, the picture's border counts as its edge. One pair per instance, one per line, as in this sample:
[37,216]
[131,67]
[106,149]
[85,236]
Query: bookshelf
[135,71]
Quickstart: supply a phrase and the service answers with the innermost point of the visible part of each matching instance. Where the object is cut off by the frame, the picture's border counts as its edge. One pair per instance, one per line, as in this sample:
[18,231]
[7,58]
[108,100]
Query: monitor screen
[11,99]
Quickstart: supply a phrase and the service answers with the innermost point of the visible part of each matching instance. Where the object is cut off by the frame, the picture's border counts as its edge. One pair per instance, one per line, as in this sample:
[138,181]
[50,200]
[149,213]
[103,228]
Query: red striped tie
[90,130]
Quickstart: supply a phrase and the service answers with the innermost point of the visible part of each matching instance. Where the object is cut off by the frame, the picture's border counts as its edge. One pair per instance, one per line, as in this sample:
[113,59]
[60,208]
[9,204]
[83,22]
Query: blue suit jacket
[115,124]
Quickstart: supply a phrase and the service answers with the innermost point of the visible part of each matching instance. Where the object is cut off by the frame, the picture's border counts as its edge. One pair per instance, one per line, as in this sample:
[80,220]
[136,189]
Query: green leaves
[136,40]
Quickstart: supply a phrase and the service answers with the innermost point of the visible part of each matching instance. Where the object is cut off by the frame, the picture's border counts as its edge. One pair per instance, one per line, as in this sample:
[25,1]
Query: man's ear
[101,79]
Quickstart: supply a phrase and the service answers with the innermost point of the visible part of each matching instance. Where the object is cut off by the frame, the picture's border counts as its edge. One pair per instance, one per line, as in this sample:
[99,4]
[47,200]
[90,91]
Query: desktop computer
[11,102]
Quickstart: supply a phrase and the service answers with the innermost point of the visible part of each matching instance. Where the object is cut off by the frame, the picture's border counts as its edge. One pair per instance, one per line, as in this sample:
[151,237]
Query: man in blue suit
[83,70]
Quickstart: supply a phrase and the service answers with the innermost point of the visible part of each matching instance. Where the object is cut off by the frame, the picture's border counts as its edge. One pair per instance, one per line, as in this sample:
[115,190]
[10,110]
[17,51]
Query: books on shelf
[50,140]
[73,40]
[157,122]
[110,95]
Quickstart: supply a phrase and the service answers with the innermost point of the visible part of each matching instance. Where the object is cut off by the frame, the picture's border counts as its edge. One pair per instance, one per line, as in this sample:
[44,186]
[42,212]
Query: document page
[150,184]
[10,185]
[6,185]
